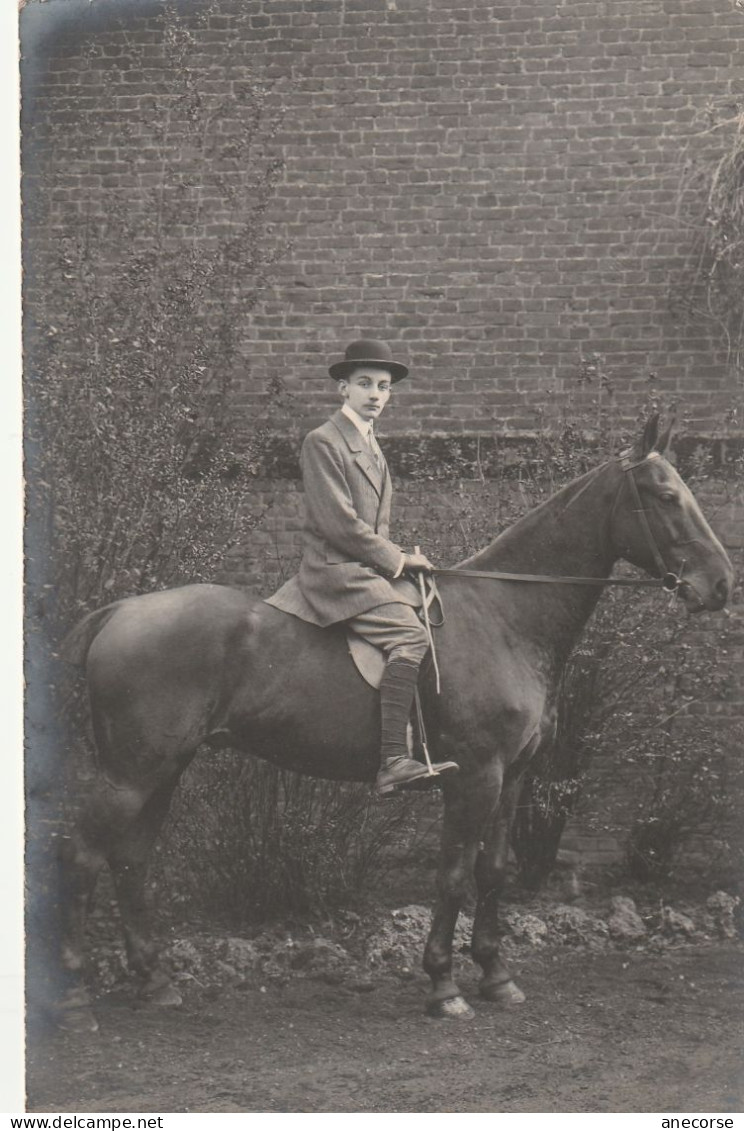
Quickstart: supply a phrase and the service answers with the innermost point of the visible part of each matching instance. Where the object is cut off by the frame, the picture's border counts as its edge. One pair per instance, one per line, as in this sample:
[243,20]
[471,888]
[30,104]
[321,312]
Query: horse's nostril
[722,589]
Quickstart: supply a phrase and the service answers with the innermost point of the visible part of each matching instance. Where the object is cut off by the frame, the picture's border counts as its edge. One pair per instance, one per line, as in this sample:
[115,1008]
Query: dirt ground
[611,1030]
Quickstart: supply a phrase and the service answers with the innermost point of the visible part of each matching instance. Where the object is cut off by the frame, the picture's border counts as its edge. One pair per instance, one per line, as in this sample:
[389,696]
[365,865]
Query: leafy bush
[134,338]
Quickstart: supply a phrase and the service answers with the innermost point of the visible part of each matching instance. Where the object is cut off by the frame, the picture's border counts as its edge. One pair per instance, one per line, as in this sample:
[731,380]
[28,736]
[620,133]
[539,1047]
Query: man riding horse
[348,560]
[171,670]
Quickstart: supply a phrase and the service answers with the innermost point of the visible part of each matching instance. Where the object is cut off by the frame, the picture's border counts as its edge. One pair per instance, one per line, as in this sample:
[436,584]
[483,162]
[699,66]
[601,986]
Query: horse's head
[657,525]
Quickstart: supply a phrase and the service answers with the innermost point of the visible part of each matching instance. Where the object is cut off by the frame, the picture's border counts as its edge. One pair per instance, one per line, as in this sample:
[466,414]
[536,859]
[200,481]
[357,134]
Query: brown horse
[171,670]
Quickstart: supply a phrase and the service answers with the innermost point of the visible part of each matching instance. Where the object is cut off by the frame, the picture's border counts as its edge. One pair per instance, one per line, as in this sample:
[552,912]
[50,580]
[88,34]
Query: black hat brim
[342,369]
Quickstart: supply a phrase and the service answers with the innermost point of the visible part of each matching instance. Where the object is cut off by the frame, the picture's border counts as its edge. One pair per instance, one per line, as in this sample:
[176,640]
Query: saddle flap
[370,660]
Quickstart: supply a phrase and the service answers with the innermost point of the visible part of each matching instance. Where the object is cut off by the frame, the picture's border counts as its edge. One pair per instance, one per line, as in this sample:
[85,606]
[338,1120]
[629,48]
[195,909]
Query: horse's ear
[663,441]
[646,442]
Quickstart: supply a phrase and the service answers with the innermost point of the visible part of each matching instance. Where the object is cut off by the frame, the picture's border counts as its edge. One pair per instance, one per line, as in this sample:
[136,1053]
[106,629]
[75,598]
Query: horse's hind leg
[490,872]
[117,826]
[79,865]
[128,857]
[81,857]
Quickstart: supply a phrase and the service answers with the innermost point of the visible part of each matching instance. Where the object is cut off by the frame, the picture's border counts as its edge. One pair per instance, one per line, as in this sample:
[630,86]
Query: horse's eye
[668,497]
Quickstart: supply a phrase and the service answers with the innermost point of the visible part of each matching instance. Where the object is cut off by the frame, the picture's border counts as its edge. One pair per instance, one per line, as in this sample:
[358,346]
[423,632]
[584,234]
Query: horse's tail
[74,648]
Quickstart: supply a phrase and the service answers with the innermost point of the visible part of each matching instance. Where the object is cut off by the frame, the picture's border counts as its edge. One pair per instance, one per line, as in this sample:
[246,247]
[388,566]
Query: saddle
[370,660]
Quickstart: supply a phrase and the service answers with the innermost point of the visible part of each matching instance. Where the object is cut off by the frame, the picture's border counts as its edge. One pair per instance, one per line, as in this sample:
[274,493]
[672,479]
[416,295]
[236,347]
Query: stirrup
[427,781]
[405,771]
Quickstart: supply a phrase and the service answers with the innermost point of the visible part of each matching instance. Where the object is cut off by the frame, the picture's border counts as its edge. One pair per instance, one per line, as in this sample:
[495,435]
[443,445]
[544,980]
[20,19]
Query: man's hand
[417,562]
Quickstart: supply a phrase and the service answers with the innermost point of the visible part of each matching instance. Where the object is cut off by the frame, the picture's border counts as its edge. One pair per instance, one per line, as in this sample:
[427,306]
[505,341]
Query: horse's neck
[566,536]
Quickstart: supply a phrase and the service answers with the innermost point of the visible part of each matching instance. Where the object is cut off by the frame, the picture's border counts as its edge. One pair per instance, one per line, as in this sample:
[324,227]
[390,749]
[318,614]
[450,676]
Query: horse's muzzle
[712,599]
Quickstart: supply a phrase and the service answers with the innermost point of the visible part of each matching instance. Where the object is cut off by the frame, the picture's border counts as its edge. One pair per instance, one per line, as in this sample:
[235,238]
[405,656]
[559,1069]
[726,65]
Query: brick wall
[492,187]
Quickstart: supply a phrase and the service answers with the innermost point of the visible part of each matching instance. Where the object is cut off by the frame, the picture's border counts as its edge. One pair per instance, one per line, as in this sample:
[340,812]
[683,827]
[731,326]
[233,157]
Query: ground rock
[241,954]
[185,961]
[314,957]
[720,914]
[399,943]
[526,928]
[676,925]
[322,956]
[572,926]
[624,923]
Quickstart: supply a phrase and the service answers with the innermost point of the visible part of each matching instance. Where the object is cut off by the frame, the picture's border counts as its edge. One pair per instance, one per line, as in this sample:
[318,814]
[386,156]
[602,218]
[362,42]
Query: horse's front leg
[490,872]
[465,812]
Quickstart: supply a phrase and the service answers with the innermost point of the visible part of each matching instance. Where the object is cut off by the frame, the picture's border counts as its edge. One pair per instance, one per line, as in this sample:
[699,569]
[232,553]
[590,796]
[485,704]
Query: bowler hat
[367,351]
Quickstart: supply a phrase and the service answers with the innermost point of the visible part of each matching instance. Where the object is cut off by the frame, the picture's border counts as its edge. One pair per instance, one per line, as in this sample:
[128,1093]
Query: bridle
[667,579]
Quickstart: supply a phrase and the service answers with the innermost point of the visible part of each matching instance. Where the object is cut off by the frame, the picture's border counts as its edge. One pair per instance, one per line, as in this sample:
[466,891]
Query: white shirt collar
[363,426]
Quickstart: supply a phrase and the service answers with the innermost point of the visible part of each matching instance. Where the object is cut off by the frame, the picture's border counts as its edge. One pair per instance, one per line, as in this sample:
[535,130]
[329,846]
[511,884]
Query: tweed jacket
[348,558]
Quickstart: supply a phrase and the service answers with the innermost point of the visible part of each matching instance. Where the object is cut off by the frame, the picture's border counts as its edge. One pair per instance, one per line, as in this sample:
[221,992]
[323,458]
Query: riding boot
[397,690]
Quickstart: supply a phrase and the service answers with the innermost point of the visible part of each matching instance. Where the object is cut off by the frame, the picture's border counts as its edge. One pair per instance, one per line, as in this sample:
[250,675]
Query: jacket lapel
[387,488]
[364,459]
[368,465]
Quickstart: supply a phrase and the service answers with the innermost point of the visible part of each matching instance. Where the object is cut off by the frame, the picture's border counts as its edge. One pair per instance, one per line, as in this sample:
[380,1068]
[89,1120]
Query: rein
[561,579]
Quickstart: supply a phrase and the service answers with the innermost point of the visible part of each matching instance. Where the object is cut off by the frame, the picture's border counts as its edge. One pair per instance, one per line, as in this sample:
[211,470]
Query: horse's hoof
[503,993]
[77,1021]
[451,1007]
[73,1013]
[166,995]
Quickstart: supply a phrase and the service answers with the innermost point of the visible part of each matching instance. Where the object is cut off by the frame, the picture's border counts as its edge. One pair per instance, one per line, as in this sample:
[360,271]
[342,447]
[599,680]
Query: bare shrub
[710,205]
[689,770]
[247,842]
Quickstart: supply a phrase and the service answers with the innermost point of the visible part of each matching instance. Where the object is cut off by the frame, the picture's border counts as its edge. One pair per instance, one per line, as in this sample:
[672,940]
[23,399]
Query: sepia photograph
[383,450]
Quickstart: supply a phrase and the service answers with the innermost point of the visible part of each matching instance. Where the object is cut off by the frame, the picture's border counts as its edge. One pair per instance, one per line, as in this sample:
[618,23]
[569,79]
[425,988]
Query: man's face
[367,391]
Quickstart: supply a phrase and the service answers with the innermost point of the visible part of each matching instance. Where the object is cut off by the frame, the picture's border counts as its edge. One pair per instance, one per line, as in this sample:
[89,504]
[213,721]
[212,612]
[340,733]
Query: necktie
[375,449]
